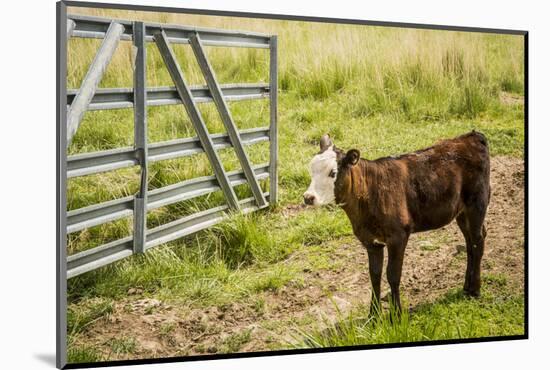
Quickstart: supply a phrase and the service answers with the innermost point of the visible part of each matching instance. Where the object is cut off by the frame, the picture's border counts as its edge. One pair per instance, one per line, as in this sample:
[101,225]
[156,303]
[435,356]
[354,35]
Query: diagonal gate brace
[223,109]
[92,79]
[196,118]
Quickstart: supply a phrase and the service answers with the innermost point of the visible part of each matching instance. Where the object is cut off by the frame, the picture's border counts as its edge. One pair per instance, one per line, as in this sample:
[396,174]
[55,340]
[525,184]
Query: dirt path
[434,263]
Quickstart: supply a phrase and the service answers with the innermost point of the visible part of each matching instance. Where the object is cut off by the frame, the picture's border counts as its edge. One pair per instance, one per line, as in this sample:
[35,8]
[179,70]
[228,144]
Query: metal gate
[90,97]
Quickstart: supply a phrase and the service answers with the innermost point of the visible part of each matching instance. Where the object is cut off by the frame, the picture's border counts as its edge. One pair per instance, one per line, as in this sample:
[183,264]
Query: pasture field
[293,276]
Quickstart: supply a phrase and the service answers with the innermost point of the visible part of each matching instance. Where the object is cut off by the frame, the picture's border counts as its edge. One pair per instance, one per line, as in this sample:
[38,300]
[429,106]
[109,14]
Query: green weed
[452,317]
[123,345]
[81,315]
[79,354]
[234,342]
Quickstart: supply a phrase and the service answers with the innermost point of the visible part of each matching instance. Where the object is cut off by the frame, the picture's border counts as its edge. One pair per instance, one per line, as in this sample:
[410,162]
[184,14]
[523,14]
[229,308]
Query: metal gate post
[70,28]
[273,134]
[140,135]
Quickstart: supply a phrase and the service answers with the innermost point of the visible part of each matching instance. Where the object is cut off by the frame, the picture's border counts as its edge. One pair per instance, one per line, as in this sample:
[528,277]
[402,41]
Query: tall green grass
[230,260]
[378,83]
[381,90]
[403,71]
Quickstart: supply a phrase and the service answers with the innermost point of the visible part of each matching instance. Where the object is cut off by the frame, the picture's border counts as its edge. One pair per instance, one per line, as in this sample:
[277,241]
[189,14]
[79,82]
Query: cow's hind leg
[376,262]
[463,225]
[475,216]
[396,253]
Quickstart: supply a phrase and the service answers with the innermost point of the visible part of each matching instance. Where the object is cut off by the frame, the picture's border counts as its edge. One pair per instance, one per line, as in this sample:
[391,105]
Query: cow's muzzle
[309,199]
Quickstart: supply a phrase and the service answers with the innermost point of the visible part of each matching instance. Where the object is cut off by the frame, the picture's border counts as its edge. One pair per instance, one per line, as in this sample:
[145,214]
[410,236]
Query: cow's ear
[325,143]
[352,157]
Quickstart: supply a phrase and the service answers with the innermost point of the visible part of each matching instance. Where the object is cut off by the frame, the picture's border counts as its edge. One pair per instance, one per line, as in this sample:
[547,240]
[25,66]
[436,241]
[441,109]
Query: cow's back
[443,179]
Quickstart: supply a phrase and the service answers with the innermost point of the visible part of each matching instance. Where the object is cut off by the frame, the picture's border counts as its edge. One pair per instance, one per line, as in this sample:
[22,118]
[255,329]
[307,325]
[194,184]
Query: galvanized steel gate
[90,97]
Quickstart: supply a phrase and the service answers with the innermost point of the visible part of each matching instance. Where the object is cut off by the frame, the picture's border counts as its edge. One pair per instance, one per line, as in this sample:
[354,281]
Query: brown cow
[389,198]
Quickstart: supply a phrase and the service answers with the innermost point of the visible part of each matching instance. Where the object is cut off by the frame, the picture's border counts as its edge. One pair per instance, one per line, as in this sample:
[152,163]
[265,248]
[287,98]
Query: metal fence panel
[88,97]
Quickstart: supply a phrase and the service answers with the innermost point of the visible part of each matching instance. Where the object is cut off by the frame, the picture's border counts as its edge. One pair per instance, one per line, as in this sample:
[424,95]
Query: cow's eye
[332,173]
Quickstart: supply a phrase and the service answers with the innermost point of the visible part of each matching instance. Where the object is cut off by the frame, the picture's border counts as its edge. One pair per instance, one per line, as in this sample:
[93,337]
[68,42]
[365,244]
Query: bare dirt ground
[434,263]
[511,99]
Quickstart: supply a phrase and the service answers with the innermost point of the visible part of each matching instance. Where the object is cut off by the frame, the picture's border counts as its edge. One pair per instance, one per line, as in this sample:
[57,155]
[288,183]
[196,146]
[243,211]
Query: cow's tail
[485,158]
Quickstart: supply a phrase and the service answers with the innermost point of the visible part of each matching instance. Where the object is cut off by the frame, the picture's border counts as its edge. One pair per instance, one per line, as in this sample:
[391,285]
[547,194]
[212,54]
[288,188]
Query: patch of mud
[434,263]
[511,99]
[292,209]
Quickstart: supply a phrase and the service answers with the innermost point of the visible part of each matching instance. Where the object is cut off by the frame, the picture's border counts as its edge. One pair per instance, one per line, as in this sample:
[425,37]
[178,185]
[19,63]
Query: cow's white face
[322,169]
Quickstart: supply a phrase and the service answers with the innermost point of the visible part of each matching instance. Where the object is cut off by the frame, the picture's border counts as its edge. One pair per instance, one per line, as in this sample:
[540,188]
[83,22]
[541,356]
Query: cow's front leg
[376,262]
[396,252]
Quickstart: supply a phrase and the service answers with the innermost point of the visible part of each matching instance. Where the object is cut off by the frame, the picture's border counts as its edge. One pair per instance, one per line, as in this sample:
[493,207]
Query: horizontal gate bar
[95,27]
[91,259]
[118,98]
[193,223]
[109,160]
[198,186]
[97,214]
[103,255]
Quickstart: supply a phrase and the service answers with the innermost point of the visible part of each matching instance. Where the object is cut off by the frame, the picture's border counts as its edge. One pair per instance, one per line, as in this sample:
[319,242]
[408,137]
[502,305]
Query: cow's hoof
[472,293]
